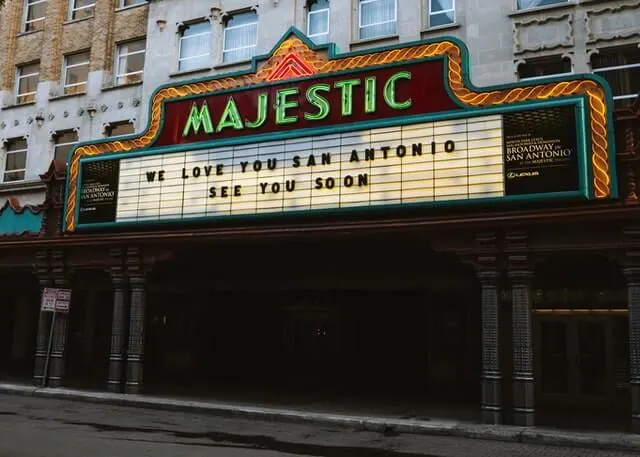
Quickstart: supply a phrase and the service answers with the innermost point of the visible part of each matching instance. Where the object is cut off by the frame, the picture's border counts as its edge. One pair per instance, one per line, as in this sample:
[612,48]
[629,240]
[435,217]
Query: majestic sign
[307,130]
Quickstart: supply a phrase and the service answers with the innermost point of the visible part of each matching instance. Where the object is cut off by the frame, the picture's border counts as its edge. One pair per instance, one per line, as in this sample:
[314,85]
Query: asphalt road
[37,427]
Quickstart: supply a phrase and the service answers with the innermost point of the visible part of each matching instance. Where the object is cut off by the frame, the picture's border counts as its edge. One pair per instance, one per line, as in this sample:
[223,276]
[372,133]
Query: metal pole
[45,373]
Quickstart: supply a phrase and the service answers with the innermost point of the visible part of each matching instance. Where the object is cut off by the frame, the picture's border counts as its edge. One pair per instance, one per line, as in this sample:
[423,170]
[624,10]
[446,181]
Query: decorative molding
[594,36]
[520,26]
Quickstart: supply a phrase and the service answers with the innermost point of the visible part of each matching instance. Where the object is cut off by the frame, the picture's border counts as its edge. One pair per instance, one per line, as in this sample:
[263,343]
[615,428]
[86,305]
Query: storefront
[354,222]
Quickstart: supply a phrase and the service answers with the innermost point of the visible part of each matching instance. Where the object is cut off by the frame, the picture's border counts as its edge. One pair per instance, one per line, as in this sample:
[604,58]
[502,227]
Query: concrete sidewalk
[435,426]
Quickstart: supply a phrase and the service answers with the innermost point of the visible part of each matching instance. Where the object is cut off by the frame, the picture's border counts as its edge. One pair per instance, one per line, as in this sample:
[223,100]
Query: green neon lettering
[263,100]
[370,95]
[390,91]
[347,94]
[318,101]
[198,119]
[230,117]
[282,105]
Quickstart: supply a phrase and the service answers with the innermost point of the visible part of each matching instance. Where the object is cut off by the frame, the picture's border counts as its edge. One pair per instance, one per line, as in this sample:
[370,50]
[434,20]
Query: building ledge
[379,39]
[121,86]
[19,186]
[75,21]
[17,105]
[178,74]
[235,63]
[65,96]
[130,7]
[440,28]
[30,32]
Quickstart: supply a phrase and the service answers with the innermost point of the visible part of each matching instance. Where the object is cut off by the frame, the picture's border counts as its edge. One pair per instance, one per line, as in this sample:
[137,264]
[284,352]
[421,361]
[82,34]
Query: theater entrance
[581,360]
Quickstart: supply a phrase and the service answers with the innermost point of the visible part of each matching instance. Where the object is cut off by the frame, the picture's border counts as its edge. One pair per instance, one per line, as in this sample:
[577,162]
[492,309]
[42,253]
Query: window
[442,12]
[377,18]
[81,9]
[526,4]
[27,82]
[240,37]
[318,21]
[130,62]
[120,128]
[195,46]
[34,13]
[621,68]
[544,66]
[16,160]
[64,142]
[125,3]
[76,73]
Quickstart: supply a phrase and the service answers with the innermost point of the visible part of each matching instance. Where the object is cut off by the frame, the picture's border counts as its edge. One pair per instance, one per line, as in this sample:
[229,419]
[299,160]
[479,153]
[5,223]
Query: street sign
[56,300]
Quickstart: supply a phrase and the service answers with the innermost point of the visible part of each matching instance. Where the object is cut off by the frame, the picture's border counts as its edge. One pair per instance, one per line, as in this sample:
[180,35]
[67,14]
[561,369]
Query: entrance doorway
[578,361]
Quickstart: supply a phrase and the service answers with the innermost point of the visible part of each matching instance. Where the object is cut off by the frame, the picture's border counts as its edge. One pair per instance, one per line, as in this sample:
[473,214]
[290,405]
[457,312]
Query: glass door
[553,369]
[593,373]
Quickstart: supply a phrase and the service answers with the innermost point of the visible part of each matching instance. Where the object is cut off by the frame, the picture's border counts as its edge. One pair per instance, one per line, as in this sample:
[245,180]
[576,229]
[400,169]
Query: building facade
[524,309]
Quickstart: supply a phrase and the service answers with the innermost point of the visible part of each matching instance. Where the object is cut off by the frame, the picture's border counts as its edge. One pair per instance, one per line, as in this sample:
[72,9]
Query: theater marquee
[307,130]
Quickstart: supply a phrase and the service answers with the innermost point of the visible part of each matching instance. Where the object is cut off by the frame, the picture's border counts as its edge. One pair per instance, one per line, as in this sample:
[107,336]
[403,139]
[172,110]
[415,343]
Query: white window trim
[119,55]
[536,78]
[233,27]
[122,5]
[55,145]
[66,69]
[363,2]
[618,68]
[25,14]
[309,14]
[73,9]
[450,10]
[19,77]
[6,156]
[182,38]
[558,2]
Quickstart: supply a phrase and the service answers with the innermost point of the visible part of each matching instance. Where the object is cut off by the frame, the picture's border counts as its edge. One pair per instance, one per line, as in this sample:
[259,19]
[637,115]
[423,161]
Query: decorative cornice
[592,37]
[569,40]
[14,205]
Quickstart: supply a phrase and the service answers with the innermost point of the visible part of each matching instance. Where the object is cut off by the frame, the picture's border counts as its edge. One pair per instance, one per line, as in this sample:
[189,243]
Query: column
[44,324]
[632,276]
[118,335]
[491,375]
[523,380]
[56,362]
[135,351]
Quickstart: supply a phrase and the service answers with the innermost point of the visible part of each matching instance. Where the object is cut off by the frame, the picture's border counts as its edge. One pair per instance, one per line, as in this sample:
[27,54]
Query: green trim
[332,52]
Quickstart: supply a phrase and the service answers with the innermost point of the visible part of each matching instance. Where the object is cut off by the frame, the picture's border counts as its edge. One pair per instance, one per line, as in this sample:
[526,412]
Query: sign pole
[45,373]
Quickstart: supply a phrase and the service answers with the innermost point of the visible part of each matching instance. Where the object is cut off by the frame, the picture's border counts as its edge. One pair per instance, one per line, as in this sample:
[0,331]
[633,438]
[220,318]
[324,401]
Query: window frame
[73,10]
[327,11]
[557,2]
[536,78]
[25,14]
[395,19]
[615,68]
[118,75]
[65,69]
[431,13]
[182,38]
[121,4]
[6,158]
[227,27]
[111,125]
[20,77]
[56,144]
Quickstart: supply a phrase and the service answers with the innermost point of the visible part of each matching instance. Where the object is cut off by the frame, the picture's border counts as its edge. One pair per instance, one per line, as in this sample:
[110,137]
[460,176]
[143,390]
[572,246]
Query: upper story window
[318,21]
[125,3]
[377,18]
[76,73]
[15,163]
[120,128]
[27,82]
[195,46]
[130,61]
[621,68]
[63,143]
[240,37]
[34,14]
[80,9]
[442,12]
[526,4]
[544,66]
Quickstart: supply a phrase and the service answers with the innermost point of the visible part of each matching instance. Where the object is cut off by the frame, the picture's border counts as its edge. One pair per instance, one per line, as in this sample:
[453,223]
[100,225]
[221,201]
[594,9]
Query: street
[38,427]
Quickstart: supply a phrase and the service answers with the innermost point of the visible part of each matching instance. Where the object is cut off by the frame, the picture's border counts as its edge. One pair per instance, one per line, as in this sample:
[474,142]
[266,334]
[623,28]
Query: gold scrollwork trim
[592,90]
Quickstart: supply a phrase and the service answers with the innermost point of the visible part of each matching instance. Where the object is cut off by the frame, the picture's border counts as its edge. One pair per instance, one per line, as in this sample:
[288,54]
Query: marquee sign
[306,130]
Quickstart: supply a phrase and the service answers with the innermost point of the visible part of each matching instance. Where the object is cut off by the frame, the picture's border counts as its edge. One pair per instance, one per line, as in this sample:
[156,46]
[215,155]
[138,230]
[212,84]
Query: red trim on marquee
[292,66]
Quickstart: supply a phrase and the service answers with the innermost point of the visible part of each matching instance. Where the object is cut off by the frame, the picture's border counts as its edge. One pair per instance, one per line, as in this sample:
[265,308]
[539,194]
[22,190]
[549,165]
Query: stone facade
[99,35]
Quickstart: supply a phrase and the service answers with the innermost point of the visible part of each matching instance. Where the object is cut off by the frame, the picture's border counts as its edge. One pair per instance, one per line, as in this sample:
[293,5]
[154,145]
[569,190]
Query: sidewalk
[435,426]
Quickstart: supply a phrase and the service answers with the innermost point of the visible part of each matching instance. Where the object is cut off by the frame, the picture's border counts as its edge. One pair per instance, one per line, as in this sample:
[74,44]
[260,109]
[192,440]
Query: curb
[528,435]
